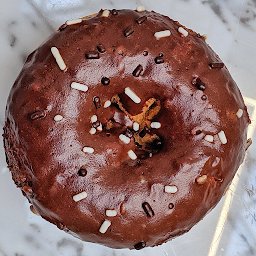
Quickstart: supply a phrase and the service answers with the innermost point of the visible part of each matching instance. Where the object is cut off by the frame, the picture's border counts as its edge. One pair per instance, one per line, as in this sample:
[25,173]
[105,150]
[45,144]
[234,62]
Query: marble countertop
[230,26]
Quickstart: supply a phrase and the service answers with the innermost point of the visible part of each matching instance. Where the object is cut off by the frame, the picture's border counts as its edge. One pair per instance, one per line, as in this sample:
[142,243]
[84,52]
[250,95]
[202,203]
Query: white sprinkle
[208,138]
[124,139]
[104,227]
[80,87]
[183,31]
[105,13]
[239,113]
[201,179]
[155,125]
[132,95]
[94,119]
[92,131]
[99,128]
[163,33]
[58,58]
[136,126]
[132,155]
[111,213]
[107,104]
[72,22]
[88,150]
[170,189]
[222,137]
[58,118]
[80,196]
[140,8]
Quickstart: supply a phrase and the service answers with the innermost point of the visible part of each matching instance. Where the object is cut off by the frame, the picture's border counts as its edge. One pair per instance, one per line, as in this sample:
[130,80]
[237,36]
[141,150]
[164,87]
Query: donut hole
[82,172]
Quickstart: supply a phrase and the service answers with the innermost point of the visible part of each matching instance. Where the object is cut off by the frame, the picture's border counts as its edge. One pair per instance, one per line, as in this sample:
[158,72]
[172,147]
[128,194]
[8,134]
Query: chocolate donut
[124,128]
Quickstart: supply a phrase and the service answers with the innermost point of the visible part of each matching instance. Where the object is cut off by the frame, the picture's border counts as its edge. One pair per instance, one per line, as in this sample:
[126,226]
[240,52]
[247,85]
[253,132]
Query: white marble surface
[230,26]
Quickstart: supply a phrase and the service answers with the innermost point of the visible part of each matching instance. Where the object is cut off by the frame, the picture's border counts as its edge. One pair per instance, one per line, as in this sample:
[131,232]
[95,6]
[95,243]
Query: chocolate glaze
[46,157]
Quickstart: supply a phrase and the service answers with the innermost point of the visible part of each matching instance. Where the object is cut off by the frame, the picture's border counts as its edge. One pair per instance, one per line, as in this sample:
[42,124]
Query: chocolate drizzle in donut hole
[120,128]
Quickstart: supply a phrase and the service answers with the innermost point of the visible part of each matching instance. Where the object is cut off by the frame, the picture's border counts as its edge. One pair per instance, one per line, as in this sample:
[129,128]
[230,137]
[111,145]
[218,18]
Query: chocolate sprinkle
[38,114]
[101,48]
[105,80]
[147,209]
[128,31]
[137,71]
[171,206]
[216,65]
[82,172]
[92,55]
[140,245]
[141,19]
[96,101]
[114,12]
[62,27]
[159,60]
[96,124]
[199,84]
[145,53]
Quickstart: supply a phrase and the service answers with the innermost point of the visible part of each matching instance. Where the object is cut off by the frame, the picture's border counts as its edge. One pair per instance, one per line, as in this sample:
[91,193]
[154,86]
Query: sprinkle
[201,179]
[128,31]
[132,95]
[171,205]
[104,227]
[140,8]
[222,137]
[161,34]
[114,12]
[38,114]
[124,139]
[99,128]
[105,80]
[170,189]
[80,87]
[58,118]
[101,48]
[159,60]
[58,58]
[183,31]
[136,126]
[92,55]
[80,196]
[96,101]
[140,245]
[72,22]
[105,13]
[96,124]
[148,210]
[239,113]
[216,65]
[82,172]
[107,104]
[155,125]
[199,84]
[208,138]
[137,71]
[111,213]
[141,19]
[94,118]
[132,155]
[88,150]
[92,131]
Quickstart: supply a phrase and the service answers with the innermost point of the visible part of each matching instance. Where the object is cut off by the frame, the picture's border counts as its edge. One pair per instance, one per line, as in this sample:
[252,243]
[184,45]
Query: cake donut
[124,128]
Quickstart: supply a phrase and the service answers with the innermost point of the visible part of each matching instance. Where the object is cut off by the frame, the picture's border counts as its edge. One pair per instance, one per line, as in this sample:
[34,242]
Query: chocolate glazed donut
[124,128]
